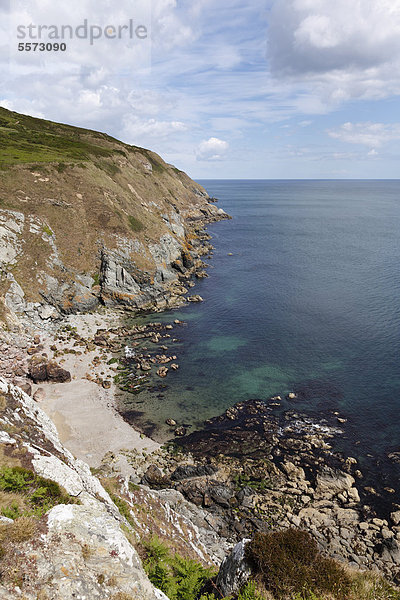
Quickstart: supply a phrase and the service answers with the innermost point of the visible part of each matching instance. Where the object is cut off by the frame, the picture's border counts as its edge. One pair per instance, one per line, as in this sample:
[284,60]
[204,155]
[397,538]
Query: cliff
[86,219]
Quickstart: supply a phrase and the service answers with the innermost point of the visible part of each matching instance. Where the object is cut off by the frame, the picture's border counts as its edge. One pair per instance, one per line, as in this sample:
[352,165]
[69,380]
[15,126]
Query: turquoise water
[309,300]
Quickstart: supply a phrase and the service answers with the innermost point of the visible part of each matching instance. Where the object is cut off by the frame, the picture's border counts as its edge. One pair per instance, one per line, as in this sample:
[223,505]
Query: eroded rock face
[80,550]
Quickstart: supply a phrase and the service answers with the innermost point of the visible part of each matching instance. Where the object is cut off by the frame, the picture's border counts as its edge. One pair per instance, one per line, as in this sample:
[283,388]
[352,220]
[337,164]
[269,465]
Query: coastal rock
[154,478]
[41,369]
[189,471]
[235,571]
[180,431]
[39,395]
[331,482]
[86,539]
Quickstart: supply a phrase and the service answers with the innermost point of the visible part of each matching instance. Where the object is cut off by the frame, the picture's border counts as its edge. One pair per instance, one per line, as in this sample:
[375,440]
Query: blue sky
[262,89]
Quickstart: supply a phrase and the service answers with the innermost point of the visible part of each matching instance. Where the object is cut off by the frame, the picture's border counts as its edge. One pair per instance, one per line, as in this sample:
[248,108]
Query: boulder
[234,571]
[162,372]
[41,369]
[331,482]
[39,395]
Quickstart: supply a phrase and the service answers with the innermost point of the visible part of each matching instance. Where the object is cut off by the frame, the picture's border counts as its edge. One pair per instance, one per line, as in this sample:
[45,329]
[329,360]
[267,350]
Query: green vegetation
[46,229]
[27,494]
[179,578]
[156,166]
[25,139]
[242,480]
[108,167]
[288,563]
[96,279]
[135,224]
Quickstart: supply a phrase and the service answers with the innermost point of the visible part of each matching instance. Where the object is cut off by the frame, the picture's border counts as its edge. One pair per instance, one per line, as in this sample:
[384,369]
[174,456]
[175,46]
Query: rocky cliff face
[81,548]
[87,219]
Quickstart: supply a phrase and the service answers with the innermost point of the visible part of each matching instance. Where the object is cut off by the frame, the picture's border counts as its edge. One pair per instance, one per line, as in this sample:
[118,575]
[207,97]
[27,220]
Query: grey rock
[234,571]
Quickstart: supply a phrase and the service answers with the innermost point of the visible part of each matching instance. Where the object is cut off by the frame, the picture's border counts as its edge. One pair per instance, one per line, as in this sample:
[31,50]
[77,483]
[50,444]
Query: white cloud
[139,129]
[368,134]
[212,149]
[338,50]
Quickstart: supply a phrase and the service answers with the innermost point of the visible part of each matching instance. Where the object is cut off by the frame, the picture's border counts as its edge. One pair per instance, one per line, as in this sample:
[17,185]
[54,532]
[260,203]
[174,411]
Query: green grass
[135,224]
[46,229]
[156,166]
[37,494]
[25,139]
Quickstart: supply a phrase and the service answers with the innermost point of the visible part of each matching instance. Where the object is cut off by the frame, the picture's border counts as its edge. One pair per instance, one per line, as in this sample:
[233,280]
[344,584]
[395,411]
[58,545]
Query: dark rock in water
[317,389]
[245,429]
[188,471]
[180,431]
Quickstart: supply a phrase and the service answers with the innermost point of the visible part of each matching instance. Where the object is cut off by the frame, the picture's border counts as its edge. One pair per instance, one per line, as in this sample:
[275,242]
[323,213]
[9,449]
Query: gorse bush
[288,563]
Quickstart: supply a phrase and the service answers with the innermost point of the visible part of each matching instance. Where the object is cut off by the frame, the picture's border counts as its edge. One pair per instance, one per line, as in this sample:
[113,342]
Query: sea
[303,295]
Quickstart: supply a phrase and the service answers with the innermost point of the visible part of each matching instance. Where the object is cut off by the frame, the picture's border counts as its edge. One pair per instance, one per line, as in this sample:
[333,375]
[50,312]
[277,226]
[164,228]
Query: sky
[254,89]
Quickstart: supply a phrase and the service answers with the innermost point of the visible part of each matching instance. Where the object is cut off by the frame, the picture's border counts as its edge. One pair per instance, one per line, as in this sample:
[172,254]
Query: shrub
[179,578]
[288,563]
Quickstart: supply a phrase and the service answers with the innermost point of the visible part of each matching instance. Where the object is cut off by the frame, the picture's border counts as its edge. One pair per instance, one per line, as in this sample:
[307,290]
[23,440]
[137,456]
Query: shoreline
[84,412]
[85,409]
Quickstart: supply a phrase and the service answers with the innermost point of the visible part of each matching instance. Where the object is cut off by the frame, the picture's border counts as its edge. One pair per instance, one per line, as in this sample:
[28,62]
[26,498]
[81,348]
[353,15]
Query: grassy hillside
[25,139]
[80,191]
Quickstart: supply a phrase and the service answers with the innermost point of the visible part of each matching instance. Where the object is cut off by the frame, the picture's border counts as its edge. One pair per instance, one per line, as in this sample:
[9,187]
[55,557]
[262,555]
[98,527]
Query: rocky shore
[252,469]
[254,472]
[84,246]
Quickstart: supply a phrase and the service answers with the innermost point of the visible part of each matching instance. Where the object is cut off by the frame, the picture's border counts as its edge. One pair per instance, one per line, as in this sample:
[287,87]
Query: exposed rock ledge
[80,545]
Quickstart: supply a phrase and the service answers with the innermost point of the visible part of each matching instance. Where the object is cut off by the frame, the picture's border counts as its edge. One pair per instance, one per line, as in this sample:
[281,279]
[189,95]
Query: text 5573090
[41,47]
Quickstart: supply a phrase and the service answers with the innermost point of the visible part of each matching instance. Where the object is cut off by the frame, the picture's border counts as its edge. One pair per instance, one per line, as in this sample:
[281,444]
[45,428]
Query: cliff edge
[86,219]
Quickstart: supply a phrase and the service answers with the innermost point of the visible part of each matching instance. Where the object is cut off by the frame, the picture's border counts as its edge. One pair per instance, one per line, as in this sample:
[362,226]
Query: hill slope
[85,219]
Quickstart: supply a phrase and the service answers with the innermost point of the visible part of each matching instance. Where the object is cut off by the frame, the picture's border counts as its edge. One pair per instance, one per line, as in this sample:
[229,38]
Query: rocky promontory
[87,220]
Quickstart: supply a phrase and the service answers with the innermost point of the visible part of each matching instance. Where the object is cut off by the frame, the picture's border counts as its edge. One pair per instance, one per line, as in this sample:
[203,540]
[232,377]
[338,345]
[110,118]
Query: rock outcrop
[234,571]
[103,223]
[75,550]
